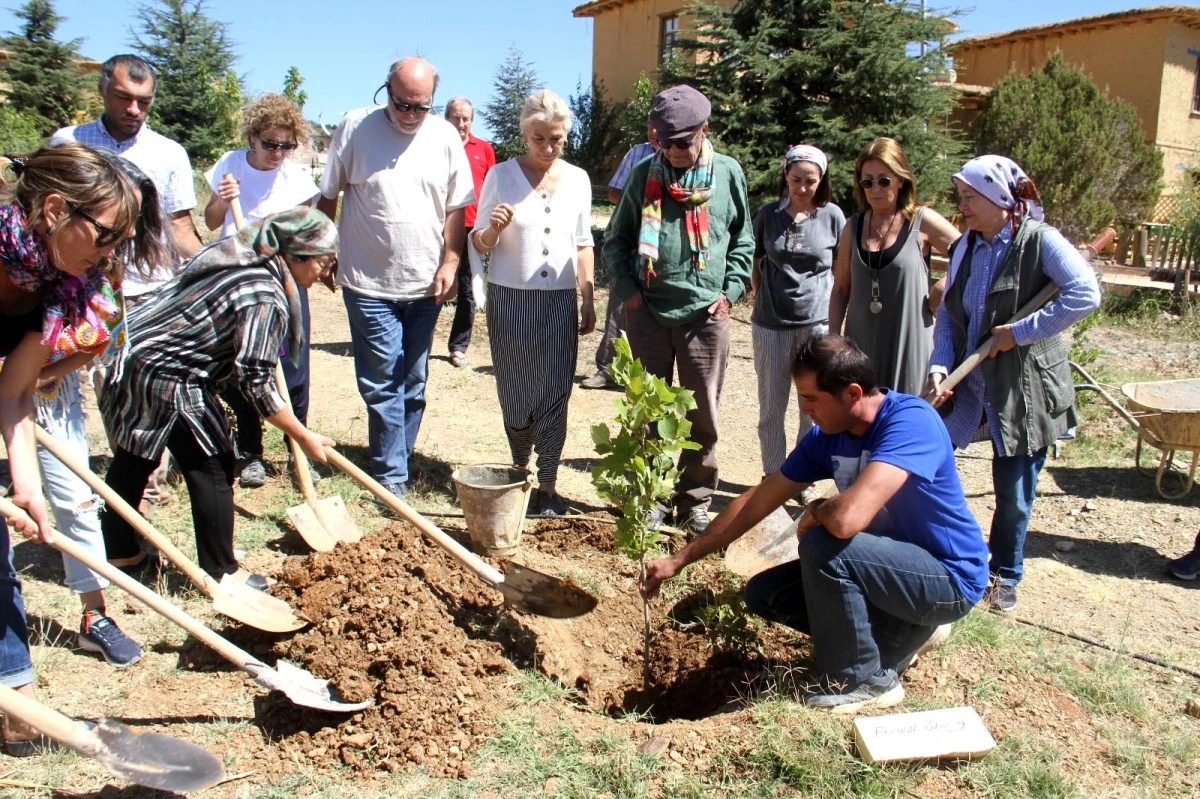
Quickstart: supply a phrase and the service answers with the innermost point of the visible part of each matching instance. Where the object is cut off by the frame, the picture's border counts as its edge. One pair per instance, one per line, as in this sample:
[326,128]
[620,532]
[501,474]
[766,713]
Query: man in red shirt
[461,114]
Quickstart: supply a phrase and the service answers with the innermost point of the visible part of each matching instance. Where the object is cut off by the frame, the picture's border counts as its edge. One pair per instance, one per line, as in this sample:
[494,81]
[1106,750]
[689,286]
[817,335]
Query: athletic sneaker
[254,474]
[1002,597]
[696,522]
[1187,567]
[546,506]
[102,635]
[937,637]
[654,518]
[883,689]
[597,379]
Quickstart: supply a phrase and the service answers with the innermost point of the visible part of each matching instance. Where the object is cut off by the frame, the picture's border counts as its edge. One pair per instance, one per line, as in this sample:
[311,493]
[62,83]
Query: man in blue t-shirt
[887,564]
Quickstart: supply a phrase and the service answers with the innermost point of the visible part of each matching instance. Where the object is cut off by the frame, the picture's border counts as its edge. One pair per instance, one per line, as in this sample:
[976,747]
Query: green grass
[1107,684]
[1020,768]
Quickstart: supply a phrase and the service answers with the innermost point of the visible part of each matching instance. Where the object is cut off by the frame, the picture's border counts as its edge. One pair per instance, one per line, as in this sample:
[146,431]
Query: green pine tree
[199,97]
[515,80]
[43,76]
[835,75]
[1086,152]
[635,113]
[292,82]
[595,131]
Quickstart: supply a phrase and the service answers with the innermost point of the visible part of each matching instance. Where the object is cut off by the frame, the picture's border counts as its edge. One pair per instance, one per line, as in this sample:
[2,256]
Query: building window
[668,34]
[1196,90]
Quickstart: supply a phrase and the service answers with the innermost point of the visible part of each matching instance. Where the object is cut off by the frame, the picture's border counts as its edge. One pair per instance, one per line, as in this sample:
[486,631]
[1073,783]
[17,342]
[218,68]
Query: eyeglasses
[272,146]
[679,144]
[329,268]
[406,107]
[883,182]
[105,236]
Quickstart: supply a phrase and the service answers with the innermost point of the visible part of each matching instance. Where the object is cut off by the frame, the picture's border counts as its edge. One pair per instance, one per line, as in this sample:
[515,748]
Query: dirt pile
[398,620]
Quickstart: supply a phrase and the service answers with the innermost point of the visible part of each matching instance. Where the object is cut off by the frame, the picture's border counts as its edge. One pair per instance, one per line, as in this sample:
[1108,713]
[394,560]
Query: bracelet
[482,245]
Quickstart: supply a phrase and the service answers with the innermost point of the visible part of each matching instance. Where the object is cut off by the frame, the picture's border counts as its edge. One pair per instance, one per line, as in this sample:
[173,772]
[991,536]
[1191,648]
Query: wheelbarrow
[1166,415]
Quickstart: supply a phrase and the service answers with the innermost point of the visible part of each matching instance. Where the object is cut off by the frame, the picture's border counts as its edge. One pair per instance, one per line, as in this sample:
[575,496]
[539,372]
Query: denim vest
[1029,387]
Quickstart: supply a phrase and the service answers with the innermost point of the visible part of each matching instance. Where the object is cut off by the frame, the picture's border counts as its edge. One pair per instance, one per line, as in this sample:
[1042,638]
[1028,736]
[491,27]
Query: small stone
[1064,546]
[677,756]
[654,747]
[1177,680]
[1075,511]
[1089,505]
[1192,708]
[552,786]
[360,740]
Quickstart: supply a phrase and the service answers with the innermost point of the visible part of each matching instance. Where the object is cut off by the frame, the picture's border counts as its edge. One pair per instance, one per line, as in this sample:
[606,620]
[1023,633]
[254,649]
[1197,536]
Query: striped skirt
[535,341]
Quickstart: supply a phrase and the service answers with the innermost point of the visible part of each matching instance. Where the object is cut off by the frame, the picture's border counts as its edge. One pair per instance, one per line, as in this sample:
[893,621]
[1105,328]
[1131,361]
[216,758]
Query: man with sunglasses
[406,181]
[680,248]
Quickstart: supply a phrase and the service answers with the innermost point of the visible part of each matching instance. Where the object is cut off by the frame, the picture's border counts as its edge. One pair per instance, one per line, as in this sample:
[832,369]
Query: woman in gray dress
[881,273]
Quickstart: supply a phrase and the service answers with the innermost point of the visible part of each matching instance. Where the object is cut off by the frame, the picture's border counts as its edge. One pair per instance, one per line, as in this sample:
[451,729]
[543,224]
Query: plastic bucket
[494,497]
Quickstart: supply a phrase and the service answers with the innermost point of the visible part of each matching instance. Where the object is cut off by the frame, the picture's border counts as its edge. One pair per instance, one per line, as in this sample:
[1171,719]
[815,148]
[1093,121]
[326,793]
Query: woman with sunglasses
[61,221]
[881,274]
[795,239]
[266,182]
[222,321]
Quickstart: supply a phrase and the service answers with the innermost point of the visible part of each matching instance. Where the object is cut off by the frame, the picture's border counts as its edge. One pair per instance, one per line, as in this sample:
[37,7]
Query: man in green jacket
[680,248]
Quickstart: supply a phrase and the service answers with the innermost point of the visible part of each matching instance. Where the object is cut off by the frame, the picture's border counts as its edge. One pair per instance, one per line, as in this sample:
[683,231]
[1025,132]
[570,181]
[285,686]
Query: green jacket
[679,293]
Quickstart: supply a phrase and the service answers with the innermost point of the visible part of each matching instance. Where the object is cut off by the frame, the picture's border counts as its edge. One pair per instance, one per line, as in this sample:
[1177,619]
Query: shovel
[148,758]
[525,589]
[321,521]
[299,686]
[229,597]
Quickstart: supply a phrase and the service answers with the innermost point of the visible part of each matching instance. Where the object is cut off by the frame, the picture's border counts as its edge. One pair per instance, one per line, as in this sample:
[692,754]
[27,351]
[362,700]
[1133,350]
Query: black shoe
[101,634]
[696,521]
[883,689]
[1185,568]
[253,474]
[547,506]
[1002,597]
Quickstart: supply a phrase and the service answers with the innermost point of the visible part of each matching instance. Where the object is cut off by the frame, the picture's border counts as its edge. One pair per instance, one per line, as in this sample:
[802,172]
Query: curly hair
[273,111]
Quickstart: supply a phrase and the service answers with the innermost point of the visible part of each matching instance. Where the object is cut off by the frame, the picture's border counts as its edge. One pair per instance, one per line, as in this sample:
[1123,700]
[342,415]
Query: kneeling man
[885,566]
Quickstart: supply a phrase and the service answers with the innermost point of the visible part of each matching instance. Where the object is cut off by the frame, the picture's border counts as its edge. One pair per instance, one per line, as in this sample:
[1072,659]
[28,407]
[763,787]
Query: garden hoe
[297,684]
[321,521]
[144,758]
[229,597]
[525,589]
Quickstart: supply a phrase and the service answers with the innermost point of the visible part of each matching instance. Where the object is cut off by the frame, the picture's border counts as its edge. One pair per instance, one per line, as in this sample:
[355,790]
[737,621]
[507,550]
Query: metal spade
[147,758]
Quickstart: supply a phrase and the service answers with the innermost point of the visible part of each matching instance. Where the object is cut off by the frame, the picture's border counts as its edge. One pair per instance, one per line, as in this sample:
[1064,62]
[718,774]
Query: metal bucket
[494,498]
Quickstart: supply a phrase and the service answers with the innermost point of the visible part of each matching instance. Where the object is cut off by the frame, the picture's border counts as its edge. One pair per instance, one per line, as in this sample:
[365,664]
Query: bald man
[406,180]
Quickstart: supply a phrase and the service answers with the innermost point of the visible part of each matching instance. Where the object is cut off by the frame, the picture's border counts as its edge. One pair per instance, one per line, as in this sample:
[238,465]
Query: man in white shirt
[406,180]
[127,86]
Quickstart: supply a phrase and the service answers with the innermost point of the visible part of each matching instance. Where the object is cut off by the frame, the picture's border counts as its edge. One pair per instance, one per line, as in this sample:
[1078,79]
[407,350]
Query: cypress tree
[832,74]
[43,76]
[515,80]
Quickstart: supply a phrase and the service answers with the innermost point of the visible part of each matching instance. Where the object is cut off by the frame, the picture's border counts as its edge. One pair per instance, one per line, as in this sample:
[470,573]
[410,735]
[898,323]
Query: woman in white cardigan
[535,228]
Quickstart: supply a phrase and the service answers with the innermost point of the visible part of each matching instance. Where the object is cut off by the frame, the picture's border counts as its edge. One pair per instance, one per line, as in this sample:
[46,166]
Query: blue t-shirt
[930,509]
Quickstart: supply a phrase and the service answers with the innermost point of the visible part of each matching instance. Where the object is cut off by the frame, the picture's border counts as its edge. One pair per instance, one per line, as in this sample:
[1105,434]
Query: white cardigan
[539,250]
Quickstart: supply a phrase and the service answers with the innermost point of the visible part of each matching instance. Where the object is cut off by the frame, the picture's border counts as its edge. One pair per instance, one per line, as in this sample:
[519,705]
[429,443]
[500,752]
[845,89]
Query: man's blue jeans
[391,342]
[1014,480]
[866,601]
[16,668]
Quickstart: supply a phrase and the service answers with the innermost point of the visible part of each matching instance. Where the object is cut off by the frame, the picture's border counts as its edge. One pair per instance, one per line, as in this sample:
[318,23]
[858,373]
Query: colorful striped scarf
[692,190]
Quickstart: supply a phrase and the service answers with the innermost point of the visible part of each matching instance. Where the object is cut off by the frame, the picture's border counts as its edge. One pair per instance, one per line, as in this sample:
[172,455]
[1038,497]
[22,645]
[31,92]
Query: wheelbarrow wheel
[1164,467]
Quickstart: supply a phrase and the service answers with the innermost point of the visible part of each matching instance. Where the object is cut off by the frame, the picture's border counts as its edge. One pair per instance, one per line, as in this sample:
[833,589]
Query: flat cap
[677,111]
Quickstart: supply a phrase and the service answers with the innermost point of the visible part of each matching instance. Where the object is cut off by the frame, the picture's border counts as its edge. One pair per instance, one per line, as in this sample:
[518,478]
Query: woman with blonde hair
[534,224]
[881,274]
[266,182]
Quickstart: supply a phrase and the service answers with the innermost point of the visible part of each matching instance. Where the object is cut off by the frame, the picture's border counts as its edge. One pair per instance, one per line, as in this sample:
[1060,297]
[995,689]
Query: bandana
[692,190]
[300,232]
[805,152]
[1002,181]
[67,300]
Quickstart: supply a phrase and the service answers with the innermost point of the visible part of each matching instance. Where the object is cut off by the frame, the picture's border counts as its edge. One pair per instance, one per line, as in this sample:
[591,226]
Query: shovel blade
[155,760]
[771,542]
[304,689]
[310,528]
[335,518]
[531,591]
[260,610]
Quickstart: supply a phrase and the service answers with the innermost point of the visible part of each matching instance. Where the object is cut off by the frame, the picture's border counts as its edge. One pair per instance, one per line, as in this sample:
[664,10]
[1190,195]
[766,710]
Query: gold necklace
[876,305]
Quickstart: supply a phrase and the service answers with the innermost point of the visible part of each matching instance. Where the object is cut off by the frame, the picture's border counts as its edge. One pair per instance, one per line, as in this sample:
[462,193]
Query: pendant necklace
[876,306]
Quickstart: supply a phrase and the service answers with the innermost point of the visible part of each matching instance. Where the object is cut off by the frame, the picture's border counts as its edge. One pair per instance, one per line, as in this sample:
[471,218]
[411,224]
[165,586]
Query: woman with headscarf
[221,321]
[1021,398]
[795,240]
[881,275]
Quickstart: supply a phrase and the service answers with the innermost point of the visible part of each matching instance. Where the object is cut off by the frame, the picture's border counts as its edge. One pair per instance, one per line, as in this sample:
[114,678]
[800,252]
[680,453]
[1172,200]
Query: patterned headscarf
[805,152]
[690,188]
[301,232]
[1003,182]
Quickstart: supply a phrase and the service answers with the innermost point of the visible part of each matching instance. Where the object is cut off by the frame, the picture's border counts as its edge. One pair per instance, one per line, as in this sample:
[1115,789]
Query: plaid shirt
[163,160]
[636,154]
[1078,296]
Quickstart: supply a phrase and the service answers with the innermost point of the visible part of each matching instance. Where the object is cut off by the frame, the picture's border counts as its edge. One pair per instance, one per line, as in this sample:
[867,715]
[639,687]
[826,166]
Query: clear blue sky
[343,47]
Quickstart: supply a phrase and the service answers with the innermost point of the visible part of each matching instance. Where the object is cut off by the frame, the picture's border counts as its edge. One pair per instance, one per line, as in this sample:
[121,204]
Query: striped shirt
[185,343]
[1079,295]
[637,153]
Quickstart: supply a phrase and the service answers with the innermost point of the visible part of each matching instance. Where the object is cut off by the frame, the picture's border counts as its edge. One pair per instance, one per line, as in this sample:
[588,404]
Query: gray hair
[545,106]
[398,65]
[138,69]
[460,100]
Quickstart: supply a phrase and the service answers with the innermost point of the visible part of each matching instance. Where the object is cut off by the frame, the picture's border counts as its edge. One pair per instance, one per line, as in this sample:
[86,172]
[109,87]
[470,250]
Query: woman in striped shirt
[222,320]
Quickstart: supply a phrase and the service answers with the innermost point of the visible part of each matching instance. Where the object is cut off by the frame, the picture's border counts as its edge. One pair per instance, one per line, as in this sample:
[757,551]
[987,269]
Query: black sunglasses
[406,107]
[105,235]
[272,146]
[883,182]
[679,144]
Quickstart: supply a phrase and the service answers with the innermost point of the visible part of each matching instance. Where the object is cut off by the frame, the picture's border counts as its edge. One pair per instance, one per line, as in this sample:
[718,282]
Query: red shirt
[482,158]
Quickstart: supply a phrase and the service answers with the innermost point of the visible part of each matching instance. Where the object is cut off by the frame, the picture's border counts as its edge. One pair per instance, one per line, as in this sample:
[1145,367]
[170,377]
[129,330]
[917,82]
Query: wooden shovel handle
[460,553]
[159,541]
[226,649]
[50,722]
[235,208]
[303,472]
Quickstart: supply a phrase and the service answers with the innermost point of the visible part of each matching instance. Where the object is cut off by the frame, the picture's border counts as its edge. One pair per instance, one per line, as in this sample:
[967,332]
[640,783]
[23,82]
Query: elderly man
[680,248]
[461,114]
[885,566]
[407,182]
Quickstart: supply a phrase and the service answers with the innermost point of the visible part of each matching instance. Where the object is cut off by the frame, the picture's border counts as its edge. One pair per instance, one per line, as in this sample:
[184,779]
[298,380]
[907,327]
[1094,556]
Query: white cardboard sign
[955,732]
